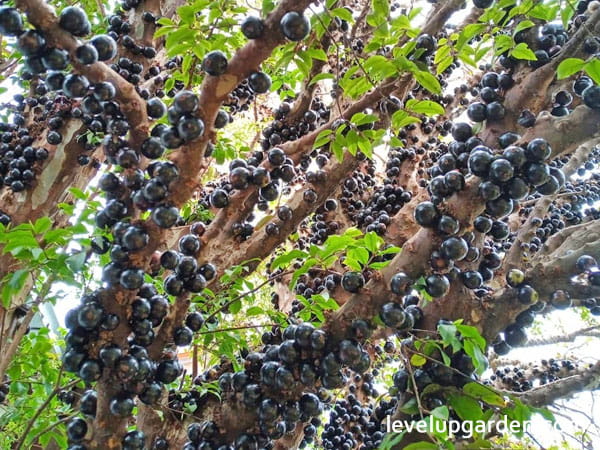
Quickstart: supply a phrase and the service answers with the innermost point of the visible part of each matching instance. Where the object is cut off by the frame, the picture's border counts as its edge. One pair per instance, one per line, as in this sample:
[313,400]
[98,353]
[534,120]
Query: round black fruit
[74,20]
[215,63]
[259,82]
[252,27]
[294,26]
[591,97]
[426,214]
[353,281]
[11,23]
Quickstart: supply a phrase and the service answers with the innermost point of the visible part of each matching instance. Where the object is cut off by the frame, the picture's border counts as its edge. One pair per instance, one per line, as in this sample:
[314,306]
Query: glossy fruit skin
[454,248]
[393,315]
[75,85]
[561,299]
[426,214]
[437,285]
[30,42]
[527,295]
[461,131]
[190,128]
[105,46]
[477,112]
[185,102]
[353,281]
[400,283]
[134,440]
[156,108]
[501,348]
[88,402]
[515,336]
[591,97]
[74,20]
[480,162]
[294,26]
[427,43]
[77,429]
[86,54]
[259,82]
[483,4]
[121,406]
[90,370]
[252,27]
[11,23]
[215,63]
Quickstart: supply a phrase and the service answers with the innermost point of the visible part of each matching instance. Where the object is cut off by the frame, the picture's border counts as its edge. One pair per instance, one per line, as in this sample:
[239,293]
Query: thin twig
[233,300]
[43,406]
[11,350]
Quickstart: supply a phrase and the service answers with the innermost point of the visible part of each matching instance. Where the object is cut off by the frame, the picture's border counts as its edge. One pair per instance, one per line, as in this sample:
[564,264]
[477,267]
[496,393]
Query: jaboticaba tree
[287,225]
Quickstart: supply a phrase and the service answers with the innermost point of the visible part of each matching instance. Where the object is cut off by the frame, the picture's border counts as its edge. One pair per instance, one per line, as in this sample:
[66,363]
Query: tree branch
[569,337]
[586,380]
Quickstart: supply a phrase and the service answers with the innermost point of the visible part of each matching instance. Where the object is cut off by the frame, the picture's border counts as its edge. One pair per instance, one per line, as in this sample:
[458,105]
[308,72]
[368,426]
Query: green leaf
[444,64]
[317,53]
[428,81]
[75,262]
[523,25]
[390,440]
[235,307]
[359,254]
[568,67]
[565,15]
[477,357]
[186,13]
[503,43]
[268,6]
[343,14]
[20,240]
[254,311]
[285,259]
[522,51]
[592,68]
[418,360]
[165,21]
[324,137]
[321,76]
[409,407]
[466,407]
[423,445]
[448,334]
[484,393]
[42,225]
[468,331]
[372,241]
[445,358]
[13,286]
[427,107]
[78,193]
[441,413]
[381,7]
[401,119]
[359,119]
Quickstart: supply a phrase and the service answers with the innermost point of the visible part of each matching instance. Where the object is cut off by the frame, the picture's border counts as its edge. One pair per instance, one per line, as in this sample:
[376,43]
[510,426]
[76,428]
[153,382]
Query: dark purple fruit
[426,214]
[259,82]
[353,281]
[252,27]
[591,97]
[215,63]
[105,46]
[74,20]
[437,285]
[294,26]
